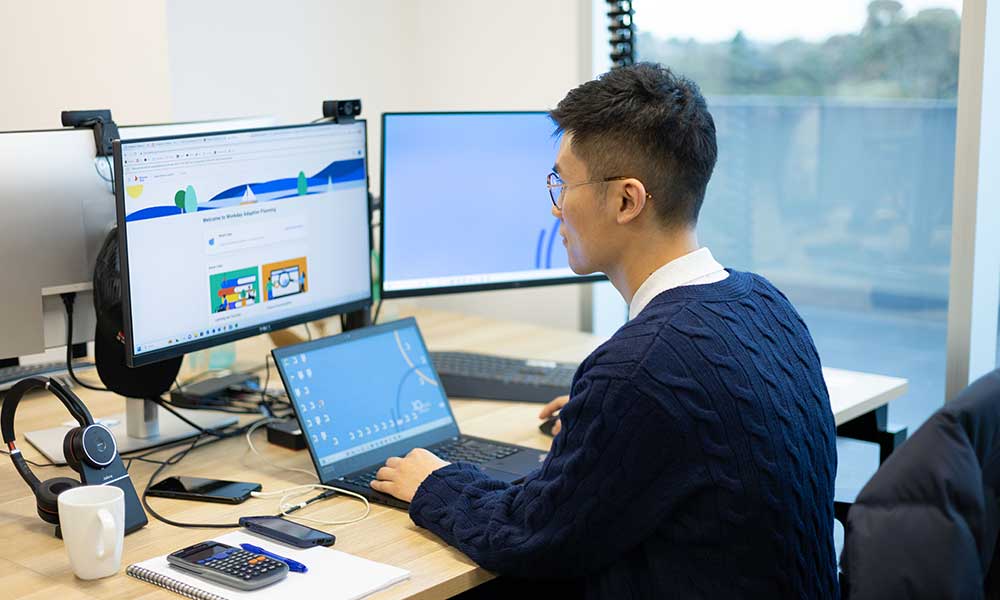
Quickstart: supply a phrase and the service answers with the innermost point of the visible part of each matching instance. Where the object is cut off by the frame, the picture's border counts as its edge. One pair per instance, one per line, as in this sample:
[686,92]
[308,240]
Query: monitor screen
[365,395]
[464,203]
[231,234]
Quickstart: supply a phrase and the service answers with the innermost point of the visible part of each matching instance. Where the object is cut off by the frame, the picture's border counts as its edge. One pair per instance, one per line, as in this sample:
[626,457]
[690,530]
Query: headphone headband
[73,404]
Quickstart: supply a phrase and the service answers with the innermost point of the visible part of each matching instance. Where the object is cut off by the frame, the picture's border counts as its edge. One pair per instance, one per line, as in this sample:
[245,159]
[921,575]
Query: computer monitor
[58,205]
[464,203]
[228,235]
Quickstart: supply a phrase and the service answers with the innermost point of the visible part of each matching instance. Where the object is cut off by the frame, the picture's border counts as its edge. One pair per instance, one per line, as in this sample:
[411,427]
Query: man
[696,456]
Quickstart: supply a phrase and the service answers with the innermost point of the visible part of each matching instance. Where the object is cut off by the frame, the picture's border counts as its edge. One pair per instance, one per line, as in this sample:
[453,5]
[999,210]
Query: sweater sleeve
[612,475]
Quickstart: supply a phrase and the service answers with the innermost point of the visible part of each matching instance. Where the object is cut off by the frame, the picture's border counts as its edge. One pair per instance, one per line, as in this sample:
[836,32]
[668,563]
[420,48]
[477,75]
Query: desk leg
[873,427]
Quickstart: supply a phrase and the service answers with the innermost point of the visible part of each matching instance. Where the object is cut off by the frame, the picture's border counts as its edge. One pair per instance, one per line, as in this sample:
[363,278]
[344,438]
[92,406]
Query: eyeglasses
[557,187]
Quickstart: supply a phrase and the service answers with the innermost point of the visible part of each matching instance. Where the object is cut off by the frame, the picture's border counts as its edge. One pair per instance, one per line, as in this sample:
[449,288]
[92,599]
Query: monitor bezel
[476,287]
[145,358]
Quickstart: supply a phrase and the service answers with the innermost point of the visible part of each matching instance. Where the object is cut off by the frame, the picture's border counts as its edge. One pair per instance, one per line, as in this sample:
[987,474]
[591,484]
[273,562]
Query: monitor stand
[141,426]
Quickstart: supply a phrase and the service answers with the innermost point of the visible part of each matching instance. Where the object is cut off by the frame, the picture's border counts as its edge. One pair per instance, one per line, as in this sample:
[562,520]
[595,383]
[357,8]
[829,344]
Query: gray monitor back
[57,204]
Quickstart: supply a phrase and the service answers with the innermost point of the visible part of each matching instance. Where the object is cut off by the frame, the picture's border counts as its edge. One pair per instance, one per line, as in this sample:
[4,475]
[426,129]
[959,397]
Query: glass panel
[836,128]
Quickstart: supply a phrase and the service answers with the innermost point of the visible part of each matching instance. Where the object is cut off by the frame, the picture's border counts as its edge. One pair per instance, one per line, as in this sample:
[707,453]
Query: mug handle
[108,530]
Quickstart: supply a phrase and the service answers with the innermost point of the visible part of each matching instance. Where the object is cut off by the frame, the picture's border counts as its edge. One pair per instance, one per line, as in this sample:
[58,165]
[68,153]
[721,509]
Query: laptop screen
[365,395]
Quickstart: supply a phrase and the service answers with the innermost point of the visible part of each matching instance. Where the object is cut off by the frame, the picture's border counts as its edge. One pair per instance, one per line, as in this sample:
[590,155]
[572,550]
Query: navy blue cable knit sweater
[697,460]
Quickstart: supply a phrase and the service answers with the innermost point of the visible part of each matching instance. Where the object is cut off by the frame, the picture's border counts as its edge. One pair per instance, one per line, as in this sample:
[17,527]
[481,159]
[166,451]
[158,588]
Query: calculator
[229,566]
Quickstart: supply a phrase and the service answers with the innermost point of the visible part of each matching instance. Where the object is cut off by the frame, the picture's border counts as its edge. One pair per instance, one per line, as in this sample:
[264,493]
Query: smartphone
[206,490]
[287,532]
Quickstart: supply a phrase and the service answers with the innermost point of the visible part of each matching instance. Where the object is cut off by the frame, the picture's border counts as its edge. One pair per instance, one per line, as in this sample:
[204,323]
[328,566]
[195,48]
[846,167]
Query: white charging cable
[286,507]
[255,427]
[287,493]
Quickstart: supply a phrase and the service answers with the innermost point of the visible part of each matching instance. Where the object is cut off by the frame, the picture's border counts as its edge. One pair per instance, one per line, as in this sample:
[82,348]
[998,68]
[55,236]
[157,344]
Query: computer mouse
[547,425]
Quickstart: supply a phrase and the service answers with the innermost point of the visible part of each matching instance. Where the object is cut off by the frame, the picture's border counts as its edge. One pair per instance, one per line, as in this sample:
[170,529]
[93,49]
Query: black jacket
[926,524]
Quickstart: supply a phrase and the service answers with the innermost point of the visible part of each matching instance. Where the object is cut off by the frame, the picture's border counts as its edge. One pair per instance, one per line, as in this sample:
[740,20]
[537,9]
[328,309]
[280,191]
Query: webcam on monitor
[341,111]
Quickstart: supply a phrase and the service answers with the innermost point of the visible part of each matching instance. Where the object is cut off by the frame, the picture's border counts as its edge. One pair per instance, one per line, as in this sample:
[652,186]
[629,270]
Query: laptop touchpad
[501,475]
[516,466]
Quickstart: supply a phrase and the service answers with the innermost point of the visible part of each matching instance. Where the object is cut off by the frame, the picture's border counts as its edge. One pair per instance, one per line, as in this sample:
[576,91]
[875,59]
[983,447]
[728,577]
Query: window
[836,129]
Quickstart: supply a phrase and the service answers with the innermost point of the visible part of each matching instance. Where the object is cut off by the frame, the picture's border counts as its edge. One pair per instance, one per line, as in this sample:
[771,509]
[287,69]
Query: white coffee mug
[92,519]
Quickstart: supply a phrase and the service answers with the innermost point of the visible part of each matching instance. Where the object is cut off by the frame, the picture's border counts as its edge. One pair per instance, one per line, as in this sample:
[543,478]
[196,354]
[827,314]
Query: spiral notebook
[332,575]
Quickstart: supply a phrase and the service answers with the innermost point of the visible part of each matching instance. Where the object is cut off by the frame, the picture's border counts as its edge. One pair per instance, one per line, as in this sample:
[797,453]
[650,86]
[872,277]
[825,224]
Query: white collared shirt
[694,268]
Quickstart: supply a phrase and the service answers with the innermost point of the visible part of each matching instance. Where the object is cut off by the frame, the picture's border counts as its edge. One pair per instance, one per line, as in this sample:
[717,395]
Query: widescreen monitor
[464,203]
[232,234]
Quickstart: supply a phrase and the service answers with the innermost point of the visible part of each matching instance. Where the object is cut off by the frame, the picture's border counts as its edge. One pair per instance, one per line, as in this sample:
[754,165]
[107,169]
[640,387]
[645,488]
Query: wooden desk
[34,563]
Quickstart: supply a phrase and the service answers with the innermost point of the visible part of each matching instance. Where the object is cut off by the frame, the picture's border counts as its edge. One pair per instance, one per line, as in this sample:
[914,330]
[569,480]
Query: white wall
[65,54]
[262,57]
[180,60]
[516,54]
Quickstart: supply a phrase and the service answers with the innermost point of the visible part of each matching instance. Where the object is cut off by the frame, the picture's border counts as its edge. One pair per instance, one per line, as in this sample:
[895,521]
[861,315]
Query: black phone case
[250,524]
[199,498]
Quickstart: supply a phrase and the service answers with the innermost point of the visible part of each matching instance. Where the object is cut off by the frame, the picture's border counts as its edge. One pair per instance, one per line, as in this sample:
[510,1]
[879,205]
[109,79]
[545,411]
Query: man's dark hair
[644,121]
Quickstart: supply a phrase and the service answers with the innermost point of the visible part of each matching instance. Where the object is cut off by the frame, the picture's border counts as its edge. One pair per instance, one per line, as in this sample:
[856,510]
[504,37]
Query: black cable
[68,299]
[33,463]
[177,457]
[222,409]
[275,397]
[159,448]
[267,377]
[326,494]
[309,332]
[378,307]
[164,405]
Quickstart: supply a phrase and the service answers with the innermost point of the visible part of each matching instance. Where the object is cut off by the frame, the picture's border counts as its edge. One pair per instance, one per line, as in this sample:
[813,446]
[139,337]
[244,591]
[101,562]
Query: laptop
[371,393]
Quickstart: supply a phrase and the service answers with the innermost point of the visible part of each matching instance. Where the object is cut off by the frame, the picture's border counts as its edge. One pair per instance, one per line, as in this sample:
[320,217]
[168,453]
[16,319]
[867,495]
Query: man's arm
[614,472]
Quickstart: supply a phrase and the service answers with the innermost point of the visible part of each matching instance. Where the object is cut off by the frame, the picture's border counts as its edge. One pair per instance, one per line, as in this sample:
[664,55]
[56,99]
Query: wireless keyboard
[483,376]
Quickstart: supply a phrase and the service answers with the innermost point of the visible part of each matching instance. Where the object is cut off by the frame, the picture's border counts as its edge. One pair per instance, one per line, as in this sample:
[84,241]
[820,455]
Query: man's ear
[631,200]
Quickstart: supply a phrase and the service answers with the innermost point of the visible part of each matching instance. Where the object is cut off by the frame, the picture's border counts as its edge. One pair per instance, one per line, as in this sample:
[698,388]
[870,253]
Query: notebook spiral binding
[168,583]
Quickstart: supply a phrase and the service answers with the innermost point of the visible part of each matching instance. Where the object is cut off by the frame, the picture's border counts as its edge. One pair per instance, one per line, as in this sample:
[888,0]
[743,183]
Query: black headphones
[91,445]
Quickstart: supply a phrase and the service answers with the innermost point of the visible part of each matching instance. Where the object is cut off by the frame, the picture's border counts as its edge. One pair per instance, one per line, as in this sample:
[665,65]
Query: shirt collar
[691,268]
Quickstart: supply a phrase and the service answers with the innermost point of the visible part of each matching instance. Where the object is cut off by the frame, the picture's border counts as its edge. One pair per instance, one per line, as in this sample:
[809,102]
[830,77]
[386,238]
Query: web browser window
[237,231]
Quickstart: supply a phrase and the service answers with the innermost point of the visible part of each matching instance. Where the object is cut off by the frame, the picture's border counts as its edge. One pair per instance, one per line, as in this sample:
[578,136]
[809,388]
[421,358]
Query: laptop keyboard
[463,449]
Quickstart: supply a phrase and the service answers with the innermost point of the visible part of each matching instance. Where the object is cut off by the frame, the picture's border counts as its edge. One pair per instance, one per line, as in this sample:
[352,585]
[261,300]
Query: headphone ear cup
[70,448]
[47,494]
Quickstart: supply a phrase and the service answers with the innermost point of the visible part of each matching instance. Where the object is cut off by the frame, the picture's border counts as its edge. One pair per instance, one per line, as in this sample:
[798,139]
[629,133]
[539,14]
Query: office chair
[926,524]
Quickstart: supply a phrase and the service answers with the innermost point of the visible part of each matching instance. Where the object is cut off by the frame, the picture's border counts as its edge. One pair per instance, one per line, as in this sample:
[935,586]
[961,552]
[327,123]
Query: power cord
[286,507]
[69,298]
[267,376]
[166,406]
[174,459]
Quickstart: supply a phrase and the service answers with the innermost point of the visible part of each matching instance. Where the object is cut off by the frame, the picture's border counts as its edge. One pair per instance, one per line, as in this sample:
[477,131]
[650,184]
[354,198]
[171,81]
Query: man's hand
[551,408]
[400,477]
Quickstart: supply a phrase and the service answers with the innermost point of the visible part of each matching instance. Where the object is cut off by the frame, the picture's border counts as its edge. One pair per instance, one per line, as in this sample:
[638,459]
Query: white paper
[332,575]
